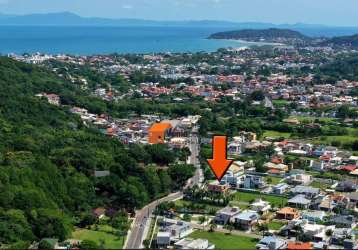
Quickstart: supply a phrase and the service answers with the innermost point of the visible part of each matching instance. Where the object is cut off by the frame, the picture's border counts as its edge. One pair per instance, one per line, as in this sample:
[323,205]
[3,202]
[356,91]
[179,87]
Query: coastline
[252,43]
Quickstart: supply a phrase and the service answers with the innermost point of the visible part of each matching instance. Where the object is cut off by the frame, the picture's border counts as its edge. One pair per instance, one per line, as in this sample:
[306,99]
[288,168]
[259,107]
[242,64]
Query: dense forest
[48,157]
[346,41]
[257,34]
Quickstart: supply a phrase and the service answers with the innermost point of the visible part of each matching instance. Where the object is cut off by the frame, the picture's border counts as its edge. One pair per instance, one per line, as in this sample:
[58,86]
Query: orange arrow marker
[219,164]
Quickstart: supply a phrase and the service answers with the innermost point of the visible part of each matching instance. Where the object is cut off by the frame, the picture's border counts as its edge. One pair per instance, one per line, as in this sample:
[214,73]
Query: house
[313,216]
[254,182]
[279,168]
[344,221]
[339,235]
[271,243]
[225,215]
[235,148]
[300,179]
[234,179]
[163,239]
[353,199]
[158,132]
[299,201]
[309,192]
[299,246]
[246,219]
[188,243]
[287,213]
[346,186]
[280,188]
[99,212]
[315,231]
[217,187]
[318,165]
[51,98]
[177,229]
[260,206]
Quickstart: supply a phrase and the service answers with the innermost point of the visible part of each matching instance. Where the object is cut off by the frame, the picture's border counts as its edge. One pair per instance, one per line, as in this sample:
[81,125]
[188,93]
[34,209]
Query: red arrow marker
[219,164]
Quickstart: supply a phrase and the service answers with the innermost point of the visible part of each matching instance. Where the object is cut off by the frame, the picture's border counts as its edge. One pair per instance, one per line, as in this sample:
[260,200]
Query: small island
[272,35]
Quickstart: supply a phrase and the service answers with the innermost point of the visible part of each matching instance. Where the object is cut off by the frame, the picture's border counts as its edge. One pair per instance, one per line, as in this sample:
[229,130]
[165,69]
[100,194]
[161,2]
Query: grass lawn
[271,133]
[327,140]
[111,241]
[274,180]
[280,103]
[275,225]
[312,119]
[248,197]
[224,241]
[317,184]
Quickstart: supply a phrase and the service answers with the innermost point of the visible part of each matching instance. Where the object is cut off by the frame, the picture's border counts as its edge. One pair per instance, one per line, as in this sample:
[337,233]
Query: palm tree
[262,228]
[229,227]
[213,226]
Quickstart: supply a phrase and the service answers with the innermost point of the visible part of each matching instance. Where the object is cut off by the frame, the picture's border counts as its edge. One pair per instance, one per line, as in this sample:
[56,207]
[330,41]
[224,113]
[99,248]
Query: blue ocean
[91,40]
[105,40]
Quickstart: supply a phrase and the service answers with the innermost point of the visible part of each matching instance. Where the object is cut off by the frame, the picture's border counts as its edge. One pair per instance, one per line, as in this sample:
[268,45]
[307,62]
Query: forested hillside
[257,34]
[47,160]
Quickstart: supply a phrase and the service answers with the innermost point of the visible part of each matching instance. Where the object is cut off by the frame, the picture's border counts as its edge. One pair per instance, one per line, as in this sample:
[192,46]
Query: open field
[249,197]
[105,234]
[271,133]
[224,241]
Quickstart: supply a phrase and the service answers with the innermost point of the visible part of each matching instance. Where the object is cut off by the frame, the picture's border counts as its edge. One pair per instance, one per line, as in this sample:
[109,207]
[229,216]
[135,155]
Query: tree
[229,227]
[257,95]
[202,219]
[45,245]
[87,219]
[262,227]
[187,217]
[88,245]
[213,227]
[180,174]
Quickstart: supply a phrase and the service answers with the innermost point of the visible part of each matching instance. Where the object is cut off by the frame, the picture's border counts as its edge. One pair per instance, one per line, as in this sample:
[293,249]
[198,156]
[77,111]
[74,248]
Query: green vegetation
[184,204]
[257,34]
[225,241]
[104,236]
[48,157]
[275,225]
[321,185]
[276,201]
[271,133]
[273,180]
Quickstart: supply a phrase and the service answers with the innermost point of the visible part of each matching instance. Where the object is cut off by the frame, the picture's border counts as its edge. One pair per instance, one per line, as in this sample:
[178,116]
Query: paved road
[138,230]
[136,235]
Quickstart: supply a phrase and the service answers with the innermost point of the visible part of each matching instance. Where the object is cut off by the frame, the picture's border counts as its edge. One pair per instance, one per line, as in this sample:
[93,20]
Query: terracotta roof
[274,171]
[287,210]
[348,168]
[299,246]
[160,127]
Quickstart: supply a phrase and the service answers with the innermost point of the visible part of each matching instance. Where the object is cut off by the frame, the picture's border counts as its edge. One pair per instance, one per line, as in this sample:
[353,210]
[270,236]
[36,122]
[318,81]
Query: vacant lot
[249,197]
[104,234]
[224,241]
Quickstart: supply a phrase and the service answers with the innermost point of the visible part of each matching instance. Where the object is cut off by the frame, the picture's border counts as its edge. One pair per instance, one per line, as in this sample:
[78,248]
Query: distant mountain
[264,35]
[70,19]
[343,41]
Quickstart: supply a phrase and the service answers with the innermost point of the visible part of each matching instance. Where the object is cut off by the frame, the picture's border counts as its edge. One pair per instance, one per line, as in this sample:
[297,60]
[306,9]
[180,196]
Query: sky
[329,12]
